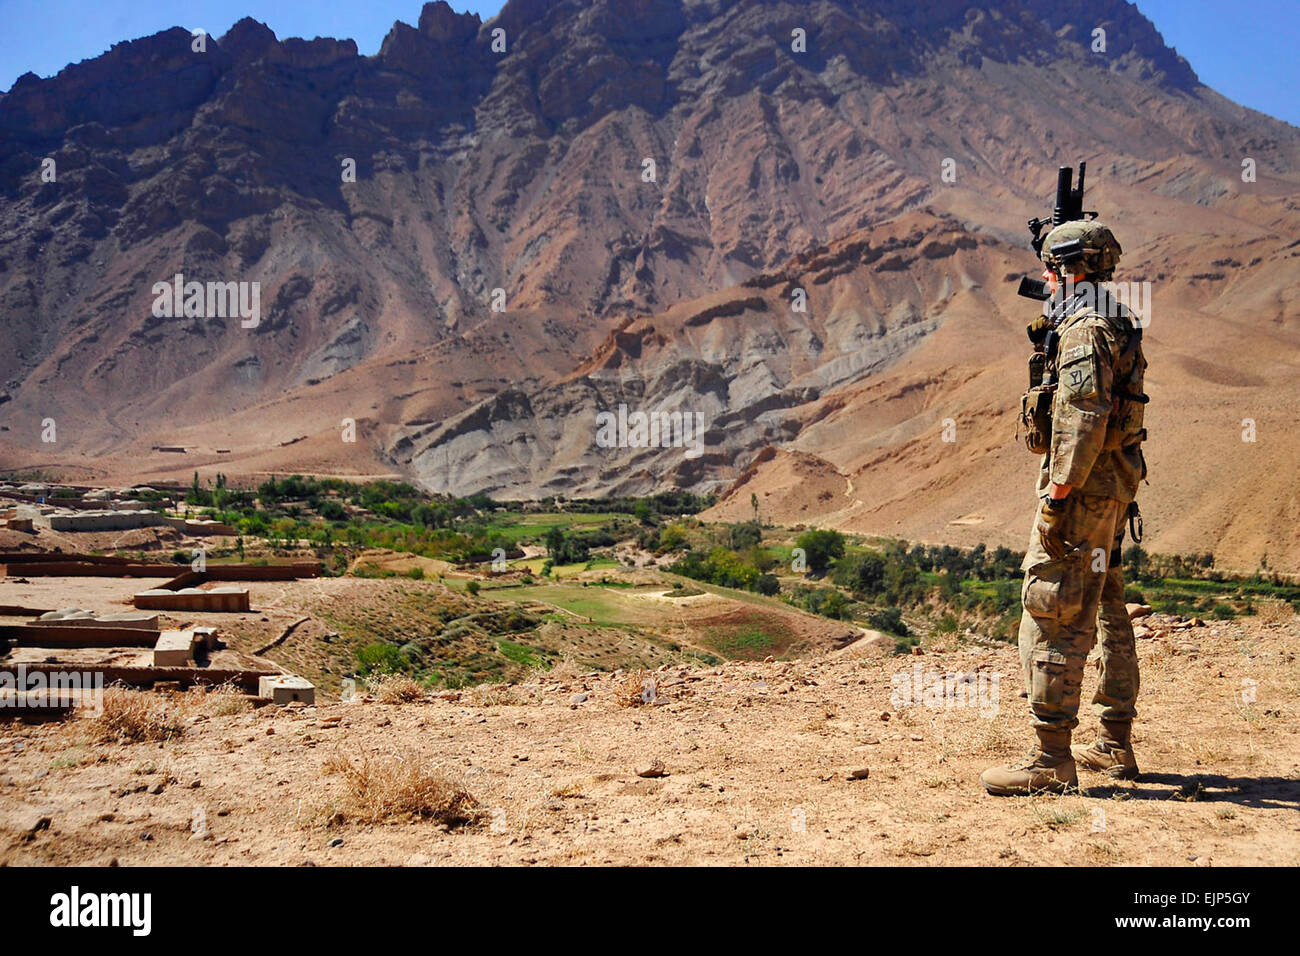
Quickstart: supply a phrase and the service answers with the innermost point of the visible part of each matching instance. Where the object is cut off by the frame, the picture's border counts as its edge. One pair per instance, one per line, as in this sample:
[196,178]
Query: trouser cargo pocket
[1053,590]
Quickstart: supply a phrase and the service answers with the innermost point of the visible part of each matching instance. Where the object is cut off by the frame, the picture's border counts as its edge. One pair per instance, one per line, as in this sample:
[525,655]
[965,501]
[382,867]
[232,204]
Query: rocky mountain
[577,206]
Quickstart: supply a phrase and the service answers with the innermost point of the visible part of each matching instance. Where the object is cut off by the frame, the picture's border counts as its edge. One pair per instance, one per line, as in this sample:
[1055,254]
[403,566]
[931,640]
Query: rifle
[1069,207]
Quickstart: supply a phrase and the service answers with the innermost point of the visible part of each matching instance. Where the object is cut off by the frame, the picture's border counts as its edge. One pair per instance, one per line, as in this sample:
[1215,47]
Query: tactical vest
[1124,428]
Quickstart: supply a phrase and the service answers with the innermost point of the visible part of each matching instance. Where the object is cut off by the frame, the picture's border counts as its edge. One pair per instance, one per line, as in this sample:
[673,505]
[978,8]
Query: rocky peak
[440,23]
[247,39]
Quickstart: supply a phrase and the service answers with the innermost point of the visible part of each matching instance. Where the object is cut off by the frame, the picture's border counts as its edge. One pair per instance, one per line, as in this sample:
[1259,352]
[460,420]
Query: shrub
[380,658]
[889,620]
[395,688]
[400,786]
[130,715]
[747,534]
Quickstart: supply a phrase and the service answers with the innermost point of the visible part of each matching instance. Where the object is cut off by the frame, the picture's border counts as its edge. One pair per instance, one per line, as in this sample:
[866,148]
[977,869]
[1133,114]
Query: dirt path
[757,756]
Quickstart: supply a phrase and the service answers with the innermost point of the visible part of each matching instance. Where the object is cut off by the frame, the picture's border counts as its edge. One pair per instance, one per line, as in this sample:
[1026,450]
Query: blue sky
[1245,49]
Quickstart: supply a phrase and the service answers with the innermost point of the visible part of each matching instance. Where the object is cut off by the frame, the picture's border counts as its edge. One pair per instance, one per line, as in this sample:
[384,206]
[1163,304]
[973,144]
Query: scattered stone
[337,841]
[860,774]
[654,769]
[199,829]
[578,699]
[1136,611]
[1141,633]
[31,822]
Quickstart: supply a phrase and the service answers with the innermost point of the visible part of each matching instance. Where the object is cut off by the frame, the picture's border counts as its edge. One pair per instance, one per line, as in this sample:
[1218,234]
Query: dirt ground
[757,760]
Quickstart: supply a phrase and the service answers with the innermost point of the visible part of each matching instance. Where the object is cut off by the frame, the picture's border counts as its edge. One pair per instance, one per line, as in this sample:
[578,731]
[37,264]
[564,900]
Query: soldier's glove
[1037,329]
[1051,525]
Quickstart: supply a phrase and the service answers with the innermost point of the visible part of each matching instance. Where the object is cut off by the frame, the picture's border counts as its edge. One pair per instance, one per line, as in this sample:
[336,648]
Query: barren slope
[756,755]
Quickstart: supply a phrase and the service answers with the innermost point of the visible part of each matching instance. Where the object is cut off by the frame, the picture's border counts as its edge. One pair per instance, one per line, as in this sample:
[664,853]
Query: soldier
[1074,583]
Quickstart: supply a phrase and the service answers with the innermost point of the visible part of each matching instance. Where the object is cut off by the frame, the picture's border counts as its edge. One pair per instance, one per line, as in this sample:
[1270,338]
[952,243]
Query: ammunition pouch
[1036,405]
[1036,418]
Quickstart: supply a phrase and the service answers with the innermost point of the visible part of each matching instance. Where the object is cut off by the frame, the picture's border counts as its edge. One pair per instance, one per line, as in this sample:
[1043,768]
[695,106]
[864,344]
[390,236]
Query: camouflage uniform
[1095,448]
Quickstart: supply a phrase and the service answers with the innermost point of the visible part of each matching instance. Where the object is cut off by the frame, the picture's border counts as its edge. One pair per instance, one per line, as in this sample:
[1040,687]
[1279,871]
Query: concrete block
[174,649]
[284,688]
[193,599]
[73,617]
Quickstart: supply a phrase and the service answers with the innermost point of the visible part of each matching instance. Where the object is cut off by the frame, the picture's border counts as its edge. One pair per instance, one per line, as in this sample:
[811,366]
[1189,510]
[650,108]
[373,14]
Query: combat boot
[1049,768]
[1111,753]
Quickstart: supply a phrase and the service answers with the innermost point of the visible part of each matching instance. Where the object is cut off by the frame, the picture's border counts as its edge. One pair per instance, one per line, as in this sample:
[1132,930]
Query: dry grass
[224,700]
[494,695]
[1056,812]
[1274,610]
[130,715]
[637,689]
[399,787]
[565,669]
[573,789]
[395,689]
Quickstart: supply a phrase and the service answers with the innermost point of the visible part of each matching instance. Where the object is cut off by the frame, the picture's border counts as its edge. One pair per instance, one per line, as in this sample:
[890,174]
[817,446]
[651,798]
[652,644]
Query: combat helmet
[1084,246]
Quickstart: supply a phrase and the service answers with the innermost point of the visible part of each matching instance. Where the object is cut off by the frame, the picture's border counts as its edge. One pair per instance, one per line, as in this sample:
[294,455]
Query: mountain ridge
[523,172]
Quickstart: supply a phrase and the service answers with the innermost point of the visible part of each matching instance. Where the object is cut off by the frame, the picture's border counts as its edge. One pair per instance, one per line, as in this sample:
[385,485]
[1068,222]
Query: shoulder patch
[1075,354]
[1077,372]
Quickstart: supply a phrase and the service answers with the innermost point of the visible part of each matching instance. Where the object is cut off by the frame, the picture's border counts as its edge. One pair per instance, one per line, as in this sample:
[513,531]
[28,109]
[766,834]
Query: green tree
[747,534]
[821,547]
